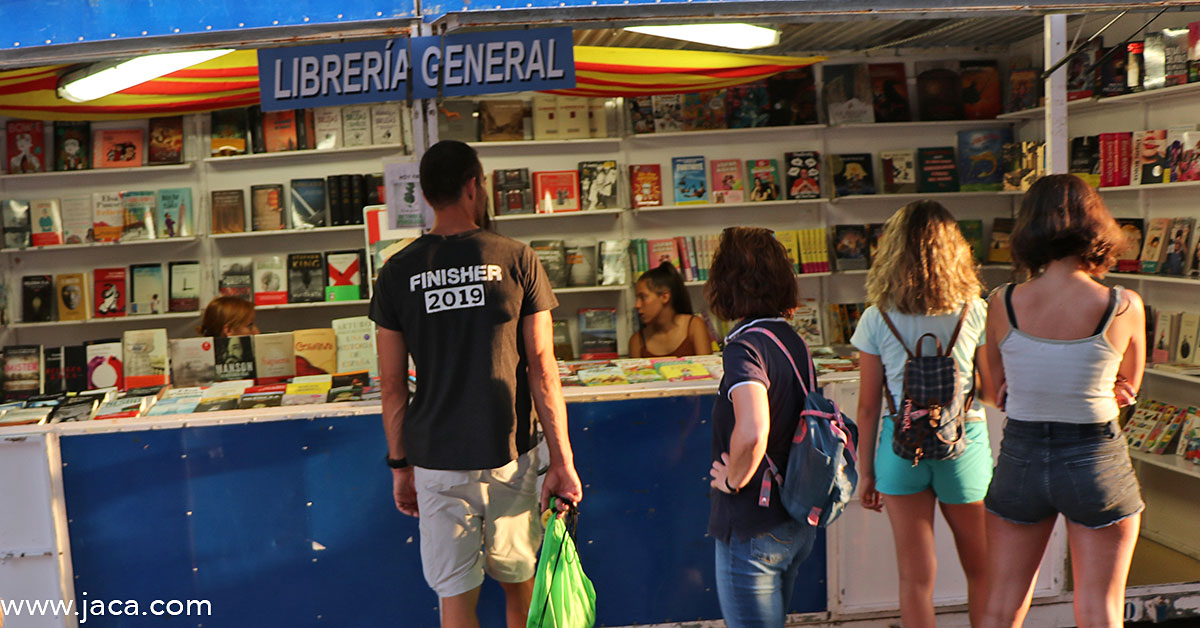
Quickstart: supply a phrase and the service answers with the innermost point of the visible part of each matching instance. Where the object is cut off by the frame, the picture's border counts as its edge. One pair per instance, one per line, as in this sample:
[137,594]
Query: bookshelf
[73,174]
[319,304]
[129,319]
[298,155]
[185,240]
[559,215]
[283,233]
[1167,461]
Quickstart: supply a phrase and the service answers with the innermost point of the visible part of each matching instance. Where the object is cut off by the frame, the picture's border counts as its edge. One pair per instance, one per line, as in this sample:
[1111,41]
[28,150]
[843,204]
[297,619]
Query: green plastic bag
[563,596]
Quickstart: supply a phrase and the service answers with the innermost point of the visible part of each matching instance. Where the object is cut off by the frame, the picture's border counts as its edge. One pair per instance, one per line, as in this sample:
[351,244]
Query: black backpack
[931,423]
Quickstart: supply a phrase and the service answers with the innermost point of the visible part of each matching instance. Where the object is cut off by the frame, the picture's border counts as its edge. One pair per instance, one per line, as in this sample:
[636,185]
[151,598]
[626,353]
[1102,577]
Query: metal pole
[1054,47]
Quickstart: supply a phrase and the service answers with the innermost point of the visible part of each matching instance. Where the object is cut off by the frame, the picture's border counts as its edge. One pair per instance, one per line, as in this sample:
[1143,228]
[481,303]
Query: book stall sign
[360,72]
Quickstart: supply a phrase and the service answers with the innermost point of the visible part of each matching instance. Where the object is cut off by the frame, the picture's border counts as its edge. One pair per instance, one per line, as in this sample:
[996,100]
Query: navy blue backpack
[822,463]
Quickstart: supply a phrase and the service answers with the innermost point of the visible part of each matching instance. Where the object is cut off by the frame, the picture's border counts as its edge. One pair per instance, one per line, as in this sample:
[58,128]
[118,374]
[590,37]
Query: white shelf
[128,318]
[297,306]
[1166,92]
[718,132]
[997,266]
[1168,461]
[1191,379]
[758,204]
[800,276]
[90,245]
[918,195]
[73,173]
[1150,186]
[590,142]
[1038,113]
[924,124]
[302,154]
[1195,281]
[287,232]
[587,289]
[594,212]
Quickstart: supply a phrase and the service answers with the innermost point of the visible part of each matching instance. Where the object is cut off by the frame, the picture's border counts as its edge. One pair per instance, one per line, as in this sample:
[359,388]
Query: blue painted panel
[434,9]
[26,23]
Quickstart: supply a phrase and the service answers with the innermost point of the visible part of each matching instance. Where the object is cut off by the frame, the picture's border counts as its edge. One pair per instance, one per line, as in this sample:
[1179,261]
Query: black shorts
[1079,470]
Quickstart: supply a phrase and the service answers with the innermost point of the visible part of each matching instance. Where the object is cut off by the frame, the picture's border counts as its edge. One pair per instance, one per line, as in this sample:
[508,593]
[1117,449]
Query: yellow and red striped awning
[232,81]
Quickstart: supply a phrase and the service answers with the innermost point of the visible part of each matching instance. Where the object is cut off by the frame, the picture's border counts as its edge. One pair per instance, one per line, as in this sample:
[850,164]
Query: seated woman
[228,316]
[669,328]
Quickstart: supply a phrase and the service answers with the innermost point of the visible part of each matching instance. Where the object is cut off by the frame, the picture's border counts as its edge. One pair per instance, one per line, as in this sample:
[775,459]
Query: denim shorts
[1079,470]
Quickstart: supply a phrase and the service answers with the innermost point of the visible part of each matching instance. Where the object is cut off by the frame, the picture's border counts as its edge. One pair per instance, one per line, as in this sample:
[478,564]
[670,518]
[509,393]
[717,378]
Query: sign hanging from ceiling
[469,64]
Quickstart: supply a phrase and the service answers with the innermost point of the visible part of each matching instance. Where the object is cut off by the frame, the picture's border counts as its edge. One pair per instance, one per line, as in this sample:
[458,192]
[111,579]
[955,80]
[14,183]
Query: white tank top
[1061,381]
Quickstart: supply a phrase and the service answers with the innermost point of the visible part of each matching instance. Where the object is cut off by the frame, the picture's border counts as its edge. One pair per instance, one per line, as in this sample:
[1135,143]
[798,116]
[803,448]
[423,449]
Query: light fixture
[739,36]
[101,79]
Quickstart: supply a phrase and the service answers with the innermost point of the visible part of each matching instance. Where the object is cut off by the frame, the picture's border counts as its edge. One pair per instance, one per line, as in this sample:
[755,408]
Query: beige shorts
[474,522]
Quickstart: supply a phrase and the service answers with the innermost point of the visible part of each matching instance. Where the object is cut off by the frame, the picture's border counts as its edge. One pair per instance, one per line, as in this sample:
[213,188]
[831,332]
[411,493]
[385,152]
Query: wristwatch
[401,463]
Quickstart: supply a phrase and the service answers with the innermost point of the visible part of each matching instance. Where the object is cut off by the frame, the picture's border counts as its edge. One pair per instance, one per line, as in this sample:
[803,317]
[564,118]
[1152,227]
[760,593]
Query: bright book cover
[727,182]
[688,176]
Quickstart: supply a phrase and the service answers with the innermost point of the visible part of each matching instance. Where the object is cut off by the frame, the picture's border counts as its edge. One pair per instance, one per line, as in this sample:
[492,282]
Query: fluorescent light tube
[99,80]
[739,36]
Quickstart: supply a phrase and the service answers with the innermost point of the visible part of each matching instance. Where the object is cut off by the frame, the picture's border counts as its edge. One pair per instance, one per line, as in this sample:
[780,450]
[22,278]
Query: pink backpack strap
[812,384]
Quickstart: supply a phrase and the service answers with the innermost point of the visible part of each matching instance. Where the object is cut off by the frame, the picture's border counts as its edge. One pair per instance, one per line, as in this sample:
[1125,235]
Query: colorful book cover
[889,92]
[691,187]
[512,193]
[274,359]
[728,186]
[500,121]
[1179,239]
[662,250]
[704,110]
[556,191]
[746,106]
[853,174]
[762,176]
[668,113]
[108,286]
[899,171]
[166,141]
[315,351]
[1133,229]
[939,90]
[108,216]
[139,215]
[598,182]
[193,362]
[1149,157]
[309,206]
[228,211]
[847,94]
[981,91]
[646,185]
[598,333]
[850,247]
[270,280]
[580,256]
[803,175]
[641,115]
[146,289]
[23,373]
[26,146]
[71,291]
[118,148]
[981,158]
[72,145]
[937,170]
[792,98]
[1023,89]
[1084,159]
[235,278]
[176,213]
[147,359]
[228,133]
[1154,251]
[266,207]
[306,277]
[45,223]
[344,274]
[279,130]
[233,358]
[184,288]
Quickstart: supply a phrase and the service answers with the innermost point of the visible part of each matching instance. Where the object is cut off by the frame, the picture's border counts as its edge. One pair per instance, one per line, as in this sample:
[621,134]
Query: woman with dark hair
[1072,351]
[759,546]
[669,328]
[228,316]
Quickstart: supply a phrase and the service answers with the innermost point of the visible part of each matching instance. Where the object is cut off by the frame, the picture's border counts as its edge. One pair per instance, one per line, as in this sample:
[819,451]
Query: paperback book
[853,174]
[327,123]
[552,254]
[139,207]
[109,289]
[791,98]
[37,298]
[166,141]
[512,193]
[72,145]
[45,223]
[118,148]
[344,275]
[306,277]
[193,362]
[690,181]
[228,133]
[850,247]
[763,179]
[500,121]
[184,294]
[266,207]
[147,359]
[105,367]
[899,171]
[309,207]
[17,230]
[228,211]
[980,158]
[645,181]
[727,183]
[556,191]
[176,213]
[315,351]
[936,170]
[356,345]
[22,371]
[847,94]
[108,216]
[71,290]
[234,358]
[1133,229]
[77,219]
[146,289]
[803,175]
[598,334]
[598,185]
[270,280]
[274,361]
[26,146]
[236,278]
[889,92]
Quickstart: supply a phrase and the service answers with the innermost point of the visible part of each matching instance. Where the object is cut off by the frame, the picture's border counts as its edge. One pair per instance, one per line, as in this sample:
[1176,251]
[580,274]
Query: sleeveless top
[1061,381]
[685,348]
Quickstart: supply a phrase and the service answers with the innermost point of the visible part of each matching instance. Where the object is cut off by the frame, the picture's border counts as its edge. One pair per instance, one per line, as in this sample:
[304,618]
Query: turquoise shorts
[962,480]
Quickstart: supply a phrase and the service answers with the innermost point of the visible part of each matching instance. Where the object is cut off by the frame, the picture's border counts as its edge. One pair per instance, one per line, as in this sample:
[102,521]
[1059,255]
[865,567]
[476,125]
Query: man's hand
[404,491]
[561,481]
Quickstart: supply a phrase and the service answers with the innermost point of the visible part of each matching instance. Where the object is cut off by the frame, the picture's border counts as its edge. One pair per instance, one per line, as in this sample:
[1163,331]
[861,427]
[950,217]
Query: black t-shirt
[459,300]
[756,358]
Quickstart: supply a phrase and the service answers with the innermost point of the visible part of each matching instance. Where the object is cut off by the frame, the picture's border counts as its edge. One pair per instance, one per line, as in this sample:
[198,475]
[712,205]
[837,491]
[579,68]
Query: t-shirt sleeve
[979,310]
[743,364]
[384,308]
[867,331]
[538,295]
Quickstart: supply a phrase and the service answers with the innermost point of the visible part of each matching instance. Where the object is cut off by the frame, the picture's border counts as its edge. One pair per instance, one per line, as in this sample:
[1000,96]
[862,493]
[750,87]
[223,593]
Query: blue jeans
[756,577]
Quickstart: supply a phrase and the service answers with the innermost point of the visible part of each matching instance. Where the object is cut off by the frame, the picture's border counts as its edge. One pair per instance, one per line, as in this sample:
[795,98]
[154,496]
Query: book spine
[1124,149]
[258,143]
[1106,160]
[358,199]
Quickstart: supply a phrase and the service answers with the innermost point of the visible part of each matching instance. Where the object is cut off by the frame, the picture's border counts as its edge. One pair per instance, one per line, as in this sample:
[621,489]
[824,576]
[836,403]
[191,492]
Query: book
[23,371]
[146,289]
[981,93]
[641,115]
[602,376]
[108,216]
[457,121]
[356,125]
[315,351]
[71,291]
[580,259]
[1116,159]
[847,94]
[193,362]
[853,174]
[898,168]
[573,117]
[269,396]
[74,409]
[45,223]
[306,277]
[15,218]
[147,359]
[563,349]
[72,145]
[327,125]
[613,262]
[598,114]
[253,118]
[355,337]
[280,132]
[222,396]
[690,182]
[553,256]
[556,191]
[1113,73]
[803,174]
[1177,166]
[662,250]
[889,92]
[981,158]
[598,182]
[850,247]
[1023,89]
[177,401]
[598,333]
[25,416]
[937,170]
[175,213]
[75,368]
[139,214]
[233,357]
[37,298]
[76,219]
[1133,228]
[124,407]
[309,207]
[165,144]
[727,183]
[1185,348]
[1000,247]
[266,207]
[939,91]
[1154,251]
[1149,157]
[645,181]
[343,272]
[26,146]
[305,130]
[501,120]
[791,98]
[762,179]
[972,231]
[546,120]
[303,393]
[387,123]
[1178,245]
[270,280]
[228,135]
[109,290]
[668,113]
[118,148]
[1081,78]
[184,287]
[806,320]
[1084,159]
[746,106]
[228,209]
[512,193]
[704,110]
[1166,336]
[105,368]
[236,277]
[274,361]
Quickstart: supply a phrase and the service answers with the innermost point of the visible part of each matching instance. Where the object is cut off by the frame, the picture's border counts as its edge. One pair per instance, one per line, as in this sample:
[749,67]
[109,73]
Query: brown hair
[751,275]
[924,265]
[225,311]
[665,278]
[1061,216]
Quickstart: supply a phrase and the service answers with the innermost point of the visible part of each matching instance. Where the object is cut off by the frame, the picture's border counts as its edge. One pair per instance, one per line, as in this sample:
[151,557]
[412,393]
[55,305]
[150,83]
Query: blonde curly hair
[924,264]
